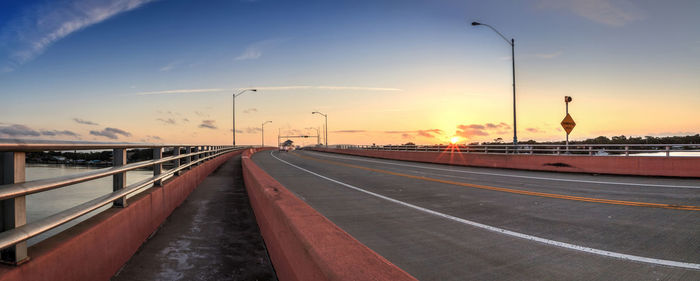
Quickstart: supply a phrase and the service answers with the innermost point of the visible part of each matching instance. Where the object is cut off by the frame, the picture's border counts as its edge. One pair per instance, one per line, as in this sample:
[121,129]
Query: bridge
[362,213]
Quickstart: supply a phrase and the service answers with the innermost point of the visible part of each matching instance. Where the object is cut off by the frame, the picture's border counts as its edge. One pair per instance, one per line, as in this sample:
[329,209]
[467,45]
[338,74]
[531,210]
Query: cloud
[431,133]
[208,124]
[110,133]
[237,131]
[269,88]
[534,130]
[170,66]
[252,130]
[332,88]
[27,36]
[185,120]
[152,139]
[549,55]
[58,133]
[85,122]
[475,130]
[608,12]
[255,50]
[250,110]
[349,131]
[169,121]
[181,91]
[16,130]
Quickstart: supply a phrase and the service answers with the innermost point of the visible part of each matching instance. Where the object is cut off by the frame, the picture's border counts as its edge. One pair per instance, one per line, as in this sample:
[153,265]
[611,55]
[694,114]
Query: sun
[454,140]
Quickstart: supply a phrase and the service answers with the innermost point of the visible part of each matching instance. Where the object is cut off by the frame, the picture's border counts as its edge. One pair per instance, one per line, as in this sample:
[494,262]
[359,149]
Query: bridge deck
[211,236]
[441,222]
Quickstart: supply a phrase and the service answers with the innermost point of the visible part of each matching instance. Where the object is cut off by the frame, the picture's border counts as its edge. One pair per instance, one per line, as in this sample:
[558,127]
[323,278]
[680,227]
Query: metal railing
[550,149]
[14,188]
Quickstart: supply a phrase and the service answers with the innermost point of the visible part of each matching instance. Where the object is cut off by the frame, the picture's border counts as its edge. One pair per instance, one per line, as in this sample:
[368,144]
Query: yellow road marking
[516,191]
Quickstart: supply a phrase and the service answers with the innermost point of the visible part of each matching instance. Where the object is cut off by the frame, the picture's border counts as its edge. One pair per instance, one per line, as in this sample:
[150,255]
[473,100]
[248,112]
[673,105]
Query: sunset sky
[384,71]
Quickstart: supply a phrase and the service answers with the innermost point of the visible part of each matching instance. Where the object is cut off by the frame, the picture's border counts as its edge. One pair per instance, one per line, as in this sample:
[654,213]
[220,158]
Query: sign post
[568,123]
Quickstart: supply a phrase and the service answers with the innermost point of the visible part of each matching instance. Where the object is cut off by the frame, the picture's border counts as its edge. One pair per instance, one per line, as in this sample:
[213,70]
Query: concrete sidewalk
[213,235]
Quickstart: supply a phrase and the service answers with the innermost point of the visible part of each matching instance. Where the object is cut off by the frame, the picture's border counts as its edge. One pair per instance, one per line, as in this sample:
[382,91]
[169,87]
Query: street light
[326,126]
[234,110]
[262,130]
[510,42]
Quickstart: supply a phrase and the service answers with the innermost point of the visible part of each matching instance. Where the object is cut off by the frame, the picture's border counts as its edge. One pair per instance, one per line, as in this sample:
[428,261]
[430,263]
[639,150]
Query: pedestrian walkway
[213,235]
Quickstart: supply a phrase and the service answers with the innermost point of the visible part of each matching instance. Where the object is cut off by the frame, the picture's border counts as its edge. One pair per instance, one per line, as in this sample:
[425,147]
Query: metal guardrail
[14,189]
[550,149]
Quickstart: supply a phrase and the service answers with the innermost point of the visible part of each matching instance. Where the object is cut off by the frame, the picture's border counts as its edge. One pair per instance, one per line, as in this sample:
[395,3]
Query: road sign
[568,124]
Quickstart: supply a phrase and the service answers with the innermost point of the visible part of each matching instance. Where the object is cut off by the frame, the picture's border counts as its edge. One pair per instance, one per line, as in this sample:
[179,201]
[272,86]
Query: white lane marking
[509,232]
[507,175]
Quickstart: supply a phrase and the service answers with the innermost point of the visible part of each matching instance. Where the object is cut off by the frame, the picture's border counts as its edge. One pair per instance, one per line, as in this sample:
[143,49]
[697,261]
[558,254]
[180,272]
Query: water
[44,204]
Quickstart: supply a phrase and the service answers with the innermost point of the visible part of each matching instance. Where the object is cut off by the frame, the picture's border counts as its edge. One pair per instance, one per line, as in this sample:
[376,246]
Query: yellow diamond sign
[568,124]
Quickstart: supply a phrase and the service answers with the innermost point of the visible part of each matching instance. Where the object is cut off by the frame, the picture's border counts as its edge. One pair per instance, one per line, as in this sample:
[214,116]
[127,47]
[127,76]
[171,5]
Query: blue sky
[159,69]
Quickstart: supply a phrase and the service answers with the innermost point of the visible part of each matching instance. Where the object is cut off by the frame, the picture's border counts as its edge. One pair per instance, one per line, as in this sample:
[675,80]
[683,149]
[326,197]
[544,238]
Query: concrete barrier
[305,245]
[98,247]
[616,165]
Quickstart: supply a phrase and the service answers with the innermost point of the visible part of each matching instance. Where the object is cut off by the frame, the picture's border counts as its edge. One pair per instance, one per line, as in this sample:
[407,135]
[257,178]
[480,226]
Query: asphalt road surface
[440,222]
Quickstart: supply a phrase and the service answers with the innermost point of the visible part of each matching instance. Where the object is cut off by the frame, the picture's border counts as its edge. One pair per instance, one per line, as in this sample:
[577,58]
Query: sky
[385,72]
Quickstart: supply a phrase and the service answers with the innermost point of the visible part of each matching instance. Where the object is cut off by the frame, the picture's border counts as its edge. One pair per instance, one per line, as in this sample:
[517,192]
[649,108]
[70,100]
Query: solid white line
[507,175]
[509,232]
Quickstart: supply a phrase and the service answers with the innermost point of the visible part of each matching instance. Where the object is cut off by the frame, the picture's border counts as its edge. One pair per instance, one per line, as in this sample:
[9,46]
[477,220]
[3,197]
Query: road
[440,222]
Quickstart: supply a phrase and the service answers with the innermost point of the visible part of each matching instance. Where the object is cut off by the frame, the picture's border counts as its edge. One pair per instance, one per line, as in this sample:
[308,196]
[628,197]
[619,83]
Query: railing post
[627,150]
[668,151]
[157,168]
[506,150]
[176,162]
[195,157]
[188,159]
[558,150]
[13,210]
[590,150]
[119,179]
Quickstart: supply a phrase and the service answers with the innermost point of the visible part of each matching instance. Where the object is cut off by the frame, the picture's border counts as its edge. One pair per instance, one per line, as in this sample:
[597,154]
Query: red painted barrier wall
[98,247]
[618,165]
[305,245]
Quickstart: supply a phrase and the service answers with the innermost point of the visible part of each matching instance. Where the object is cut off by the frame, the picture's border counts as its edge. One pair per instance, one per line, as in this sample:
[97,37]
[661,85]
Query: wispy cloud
[30,34]
[476,130]
[336,88]
[111,133]
[58,133]
[169,121]
[250,110]
[208,124]
[350,131]
[252,130]
[255,50]
[182,91]
[170,66]
[430,133]
[269,88]
[549,55]
[85,122]
[18,130]
[608,12]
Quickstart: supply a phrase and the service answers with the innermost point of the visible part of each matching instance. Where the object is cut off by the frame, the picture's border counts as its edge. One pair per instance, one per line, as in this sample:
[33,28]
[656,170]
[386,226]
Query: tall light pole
[326,126]
[510,42]
[262,131]
[234,110]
